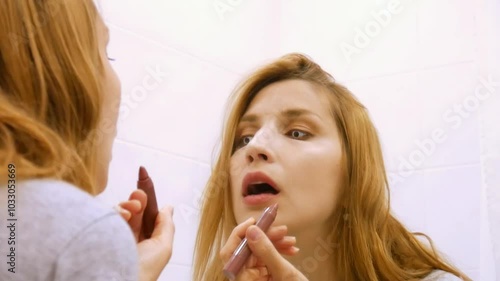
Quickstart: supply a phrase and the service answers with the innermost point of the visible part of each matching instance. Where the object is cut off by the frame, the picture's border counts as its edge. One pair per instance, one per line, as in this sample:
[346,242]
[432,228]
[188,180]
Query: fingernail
[253,233]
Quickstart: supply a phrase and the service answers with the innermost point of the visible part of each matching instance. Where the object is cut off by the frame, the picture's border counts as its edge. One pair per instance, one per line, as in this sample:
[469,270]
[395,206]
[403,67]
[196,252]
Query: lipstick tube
[242,252]
[149,217]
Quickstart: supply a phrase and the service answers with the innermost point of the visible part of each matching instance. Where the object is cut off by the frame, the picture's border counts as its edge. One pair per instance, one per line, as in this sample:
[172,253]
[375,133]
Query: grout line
[169,153]
[440,168]
[165,45]
[409,71]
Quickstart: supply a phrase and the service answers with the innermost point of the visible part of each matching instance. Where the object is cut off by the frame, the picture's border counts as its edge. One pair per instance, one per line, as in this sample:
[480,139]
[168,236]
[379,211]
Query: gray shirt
[62,233]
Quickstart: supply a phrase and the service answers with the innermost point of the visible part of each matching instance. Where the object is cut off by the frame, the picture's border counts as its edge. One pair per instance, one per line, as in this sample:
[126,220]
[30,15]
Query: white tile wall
[179,61]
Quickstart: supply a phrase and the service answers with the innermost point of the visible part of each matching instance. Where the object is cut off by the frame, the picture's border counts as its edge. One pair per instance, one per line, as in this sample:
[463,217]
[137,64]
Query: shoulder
[58,200]
[440,275]
[66,231]
[103,250]
[61,210]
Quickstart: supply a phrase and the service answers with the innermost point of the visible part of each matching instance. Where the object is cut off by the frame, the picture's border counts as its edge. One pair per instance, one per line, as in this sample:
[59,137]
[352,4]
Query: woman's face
[288,139]
[111,102]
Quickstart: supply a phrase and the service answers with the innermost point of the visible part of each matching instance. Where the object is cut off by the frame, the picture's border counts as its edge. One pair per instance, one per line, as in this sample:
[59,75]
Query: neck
[316,256]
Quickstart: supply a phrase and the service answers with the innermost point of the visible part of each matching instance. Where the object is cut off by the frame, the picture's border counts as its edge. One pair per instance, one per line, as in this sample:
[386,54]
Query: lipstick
[242,253]
[151,211]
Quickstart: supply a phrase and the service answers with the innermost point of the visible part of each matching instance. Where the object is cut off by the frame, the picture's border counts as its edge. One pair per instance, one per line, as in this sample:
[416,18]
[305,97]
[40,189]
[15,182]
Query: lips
[258,184]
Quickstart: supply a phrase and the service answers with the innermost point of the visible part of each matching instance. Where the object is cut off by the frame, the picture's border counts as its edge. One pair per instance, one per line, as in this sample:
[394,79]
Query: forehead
[290,94]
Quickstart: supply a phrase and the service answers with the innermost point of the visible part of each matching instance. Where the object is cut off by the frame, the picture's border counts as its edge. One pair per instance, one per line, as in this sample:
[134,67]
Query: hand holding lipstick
[154,237]
[266,262]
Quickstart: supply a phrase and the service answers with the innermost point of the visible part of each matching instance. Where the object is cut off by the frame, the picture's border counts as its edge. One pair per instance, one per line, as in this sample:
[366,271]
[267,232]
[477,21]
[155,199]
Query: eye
[243,141]
[246,140]
[298,134]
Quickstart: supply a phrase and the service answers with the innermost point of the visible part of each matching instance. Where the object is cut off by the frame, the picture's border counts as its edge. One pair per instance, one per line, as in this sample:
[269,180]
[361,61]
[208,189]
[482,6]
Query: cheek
[319,175]
[235,179]
[234,176]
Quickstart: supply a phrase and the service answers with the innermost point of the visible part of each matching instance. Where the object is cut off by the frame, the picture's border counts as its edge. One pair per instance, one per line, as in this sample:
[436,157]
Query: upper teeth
[258,182]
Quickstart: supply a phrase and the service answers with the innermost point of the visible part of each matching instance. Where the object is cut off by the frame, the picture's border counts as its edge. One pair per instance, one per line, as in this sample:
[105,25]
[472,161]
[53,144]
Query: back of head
[50,92]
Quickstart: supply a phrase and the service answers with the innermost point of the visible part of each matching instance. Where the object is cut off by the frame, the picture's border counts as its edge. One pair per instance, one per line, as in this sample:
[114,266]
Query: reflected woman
[296,137]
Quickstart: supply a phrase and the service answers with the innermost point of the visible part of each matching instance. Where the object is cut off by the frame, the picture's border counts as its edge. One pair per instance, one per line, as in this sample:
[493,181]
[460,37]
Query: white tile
[352,39]
[453,213]
[176,272]
[181,111]
[178,182]
[407,199]
[446,31]
[234,37]
[445,94]
[395,110]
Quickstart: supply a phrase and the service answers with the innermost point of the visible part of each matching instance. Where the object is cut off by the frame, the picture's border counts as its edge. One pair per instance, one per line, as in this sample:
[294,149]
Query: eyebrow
[290,114]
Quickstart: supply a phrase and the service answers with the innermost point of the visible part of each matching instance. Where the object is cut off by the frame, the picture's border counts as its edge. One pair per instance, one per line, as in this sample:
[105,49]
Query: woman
[58,112]
[297,138]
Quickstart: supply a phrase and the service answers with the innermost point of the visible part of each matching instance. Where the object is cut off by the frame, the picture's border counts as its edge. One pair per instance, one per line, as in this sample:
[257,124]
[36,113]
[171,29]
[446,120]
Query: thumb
[164,226]
[263,249]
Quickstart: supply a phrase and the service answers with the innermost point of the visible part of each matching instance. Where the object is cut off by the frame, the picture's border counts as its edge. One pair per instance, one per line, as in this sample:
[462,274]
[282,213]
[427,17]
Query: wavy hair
[50,90]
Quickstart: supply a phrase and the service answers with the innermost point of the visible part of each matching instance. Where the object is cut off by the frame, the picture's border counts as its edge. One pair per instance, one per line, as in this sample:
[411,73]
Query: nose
[259,148]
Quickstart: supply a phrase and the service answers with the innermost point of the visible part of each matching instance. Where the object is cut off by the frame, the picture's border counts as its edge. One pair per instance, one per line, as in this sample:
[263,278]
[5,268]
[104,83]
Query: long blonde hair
[50,90]
[372,244]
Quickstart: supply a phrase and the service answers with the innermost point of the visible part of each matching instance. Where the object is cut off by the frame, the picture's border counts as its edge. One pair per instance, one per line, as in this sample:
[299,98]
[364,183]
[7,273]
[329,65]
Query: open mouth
[260,188]
[258,183]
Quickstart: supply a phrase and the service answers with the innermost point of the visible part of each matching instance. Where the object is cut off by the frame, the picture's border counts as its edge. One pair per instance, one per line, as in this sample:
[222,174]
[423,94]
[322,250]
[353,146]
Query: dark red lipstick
[149,218]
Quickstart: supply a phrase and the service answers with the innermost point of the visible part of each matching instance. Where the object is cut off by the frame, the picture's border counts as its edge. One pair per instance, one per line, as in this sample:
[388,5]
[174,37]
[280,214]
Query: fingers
[130,207]
[264,250]
[234,239]
[155,252]
[286,246]
[164,226]
[138,199]
[277,234]
[125,214]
